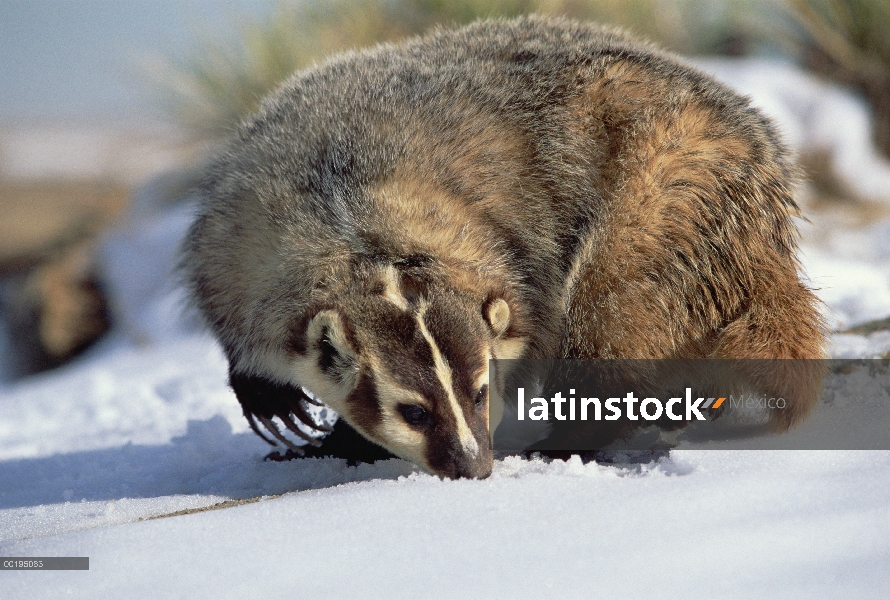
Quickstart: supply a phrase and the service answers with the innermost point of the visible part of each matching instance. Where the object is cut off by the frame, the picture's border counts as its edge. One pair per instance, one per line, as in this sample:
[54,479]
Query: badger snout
[461,464]
[477,470]
[469,470]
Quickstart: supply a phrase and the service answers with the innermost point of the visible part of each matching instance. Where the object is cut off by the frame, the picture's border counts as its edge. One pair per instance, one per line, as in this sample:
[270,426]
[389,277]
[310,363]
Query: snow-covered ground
[144,425]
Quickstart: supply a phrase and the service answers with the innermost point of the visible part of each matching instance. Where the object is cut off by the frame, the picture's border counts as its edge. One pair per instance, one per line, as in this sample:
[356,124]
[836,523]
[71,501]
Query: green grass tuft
[223,80]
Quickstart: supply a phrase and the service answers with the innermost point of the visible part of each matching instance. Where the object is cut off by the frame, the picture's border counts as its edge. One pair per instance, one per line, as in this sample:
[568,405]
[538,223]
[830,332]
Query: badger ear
[497,315]
[330,363]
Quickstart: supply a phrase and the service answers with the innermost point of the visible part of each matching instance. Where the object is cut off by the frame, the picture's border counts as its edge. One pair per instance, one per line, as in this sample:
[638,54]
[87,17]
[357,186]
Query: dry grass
[39,217]
[217,506]
[49,293]
[849,41]
[871,327]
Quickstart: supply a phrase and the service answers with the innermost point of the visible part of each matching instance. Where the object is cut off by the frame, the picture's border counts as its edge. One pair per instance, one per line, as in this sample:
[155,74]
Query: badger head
[404,360]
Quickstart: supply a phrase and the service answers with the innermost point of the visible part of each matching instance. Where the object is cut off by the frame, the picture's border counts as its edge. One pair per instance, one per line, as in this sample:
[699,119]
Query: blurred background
[109,109]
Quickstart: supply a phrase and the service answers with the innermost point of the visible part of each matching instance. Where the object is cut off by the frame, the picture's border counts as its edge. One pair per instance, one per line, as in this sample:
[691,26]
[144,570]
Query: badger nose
[473,467]
[483,472]
[476,471]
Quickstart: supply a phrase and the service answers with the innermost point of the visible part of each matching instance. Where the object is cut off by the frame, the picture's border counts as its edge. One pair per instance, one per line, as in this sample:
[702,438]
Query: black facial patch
[330,361]
[414,287]
[461,336]
[364,405]
[327,353]
[418,272]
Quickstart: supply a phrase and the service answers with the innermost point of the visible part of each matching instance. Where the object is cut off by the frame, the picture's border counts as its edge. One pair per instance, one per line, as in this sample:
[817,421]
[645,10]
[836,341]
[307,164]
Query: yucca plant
[223,80]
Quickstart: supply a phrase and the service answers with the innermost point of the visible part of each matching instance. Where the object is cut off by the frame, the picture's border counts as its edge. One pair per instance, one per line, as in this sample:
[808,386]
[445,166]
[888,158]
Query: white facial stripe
[443,373]
[393,291]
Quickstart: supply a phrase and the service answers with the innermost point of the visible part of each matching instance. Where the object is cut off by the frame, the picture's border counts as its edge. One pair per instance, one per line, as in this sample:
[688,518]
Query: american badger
[391,219]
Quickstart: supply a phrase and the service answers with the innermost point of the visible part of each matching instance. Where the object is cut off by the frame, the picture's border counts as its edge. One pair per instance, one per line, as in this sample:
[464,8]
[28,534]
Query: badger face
[410,372]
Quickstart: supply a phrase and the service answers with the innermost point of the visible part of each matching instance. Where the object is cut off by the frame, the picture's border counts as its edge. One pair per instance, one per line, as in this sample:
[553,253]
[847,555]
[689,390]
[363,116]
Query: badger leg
[345,442]
[692,254]
[262,400]
[781,322]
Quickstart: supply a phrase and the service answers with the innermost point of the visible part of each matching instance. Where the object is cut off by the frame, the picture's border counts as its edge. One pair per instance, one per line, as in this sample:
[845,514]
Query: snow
[815,117]
[850,267]
[144,425]
[703,525]
[147,300]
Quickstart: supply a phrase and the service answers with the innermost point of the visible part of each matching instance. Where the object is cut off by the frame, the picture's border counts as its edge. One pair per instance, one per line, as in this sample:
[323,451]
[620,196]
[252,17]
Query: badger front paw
[262,400]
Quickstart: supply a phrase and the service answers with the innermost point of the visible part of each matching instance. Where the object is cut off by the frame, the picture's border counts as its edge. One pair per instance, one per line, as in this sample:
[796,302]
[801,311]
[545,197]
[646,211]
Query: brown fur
[619,202]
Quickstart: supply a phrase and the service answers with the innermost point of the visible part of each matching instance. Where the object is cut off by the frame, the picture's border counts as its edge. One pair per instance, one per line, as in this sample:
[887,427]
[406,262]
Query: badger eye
[414,414]
[481,396]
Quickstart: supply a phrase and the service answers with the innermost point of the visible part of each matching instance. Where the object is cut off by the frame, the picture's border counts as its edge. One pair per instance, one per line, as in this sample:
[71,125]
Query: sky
[80,59]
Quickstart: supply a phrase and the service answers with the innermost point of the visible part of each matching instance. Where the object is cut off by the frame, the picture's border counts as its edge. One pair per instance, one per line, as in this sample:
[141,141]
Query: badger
[391,220]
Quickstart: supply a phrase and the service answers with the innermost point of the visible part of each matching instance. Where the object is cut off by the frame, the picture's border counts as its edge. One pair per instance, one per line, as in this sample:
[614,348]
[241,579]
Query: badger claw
[290,424]
[256,429]
[287,418]
[273,429]
[262,400]
[310,399]
[298,410]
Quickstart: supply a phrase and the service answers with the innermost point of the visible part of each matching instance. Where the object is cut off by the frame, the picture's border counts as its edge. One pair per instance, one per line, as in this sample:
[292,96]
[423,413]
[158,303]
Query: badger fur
[392,219]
